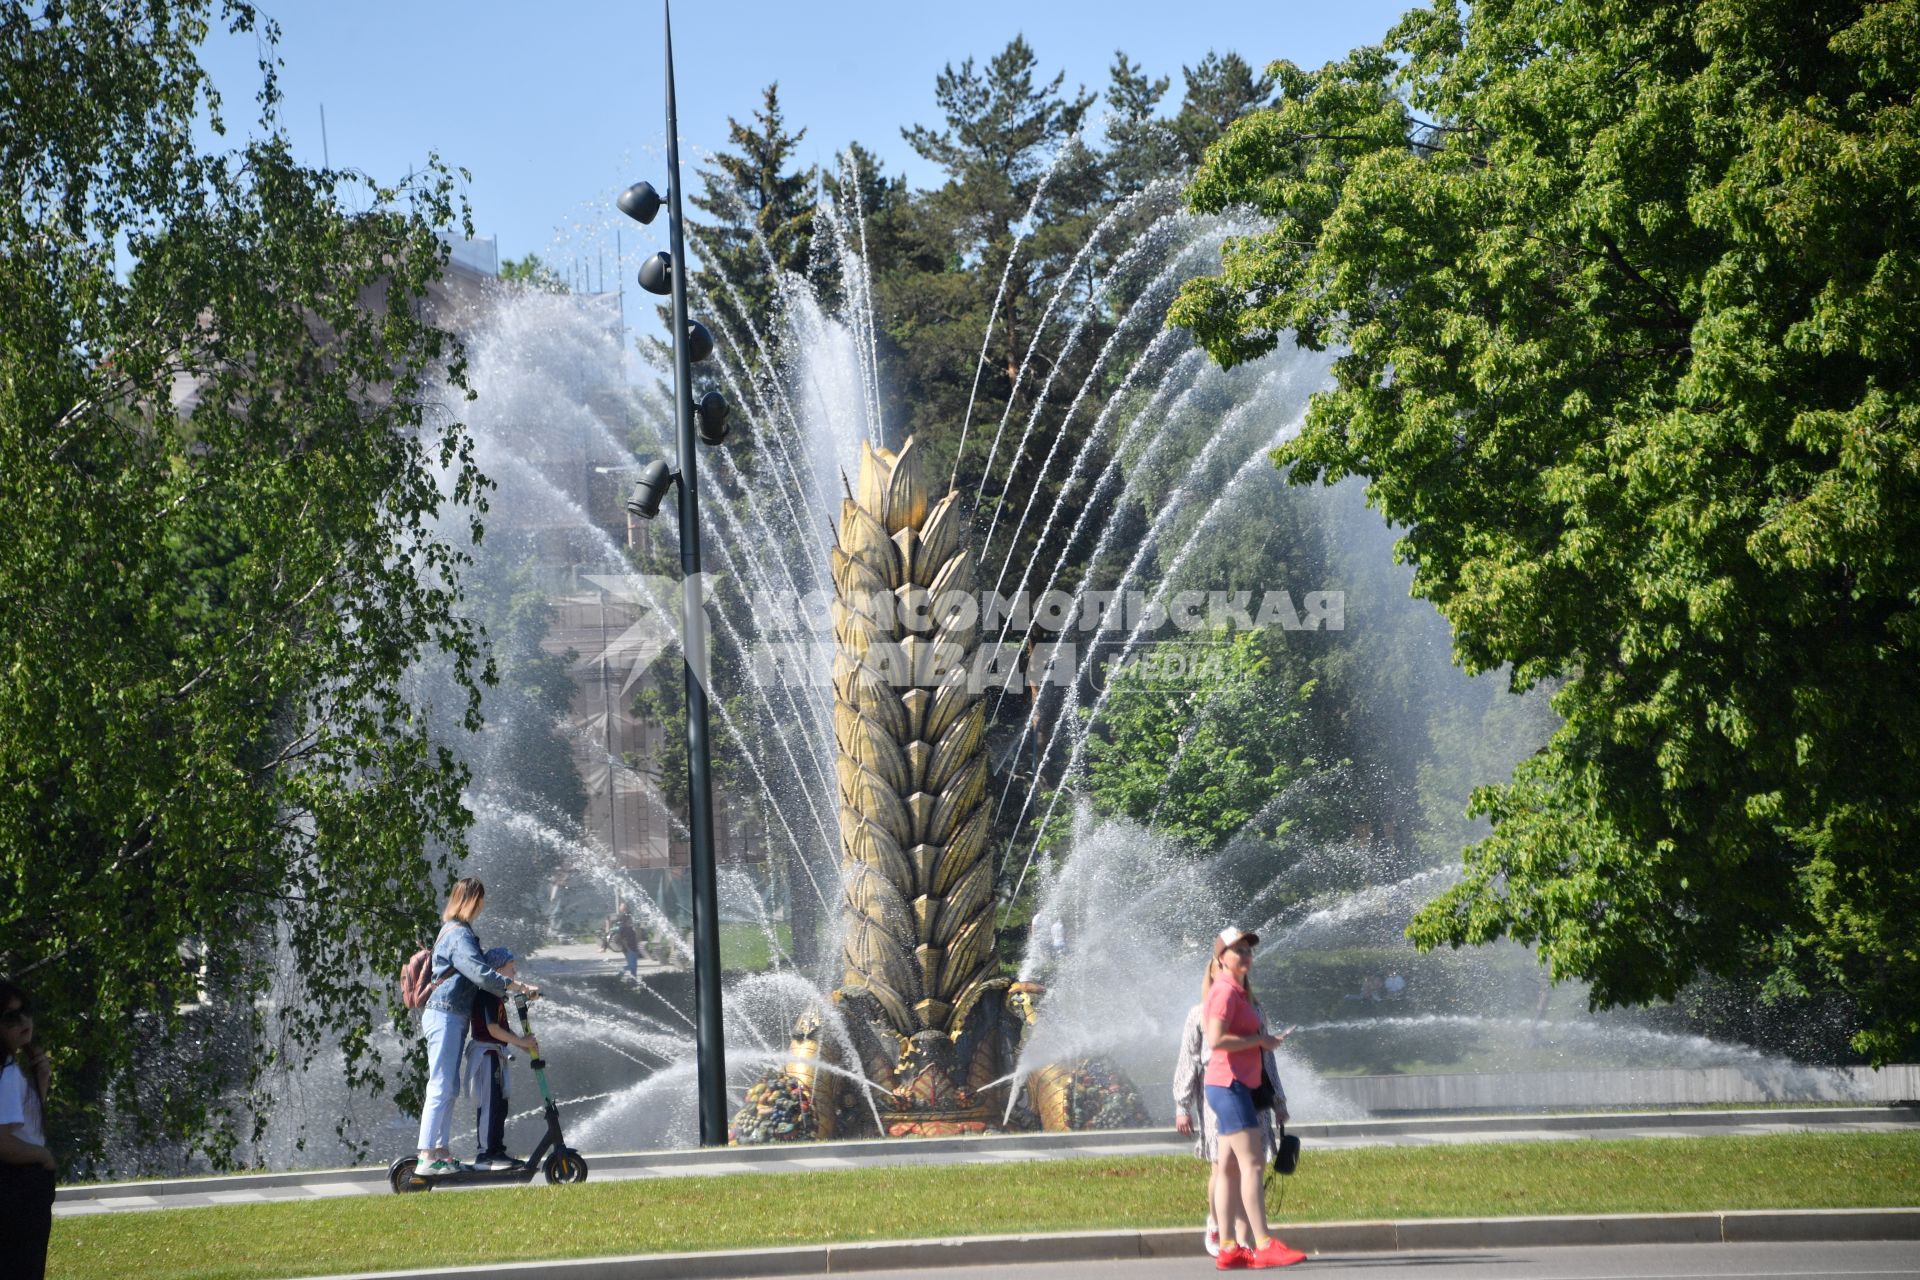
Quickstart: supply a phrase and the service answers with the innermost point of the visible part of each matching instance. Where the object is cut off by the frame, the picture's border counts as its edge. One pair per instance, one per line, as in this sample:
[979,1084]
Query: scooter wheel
[566,1165]
[402,1178]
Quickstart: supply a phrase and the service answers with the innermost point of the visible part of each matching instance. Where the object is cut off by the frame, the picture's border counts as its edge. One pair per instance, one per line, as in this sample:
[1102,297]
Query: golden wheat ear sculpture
[932,1037]
[910,728]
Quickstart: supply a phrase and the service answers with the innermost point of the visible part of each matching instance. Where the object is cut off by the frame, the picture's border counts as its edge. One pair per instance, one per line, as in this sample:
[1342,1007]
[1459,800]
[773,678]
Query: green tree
[1004,136]
[1625,290]
[524,757]
[759,229]
[762,213]
[532,273]
[888,236]
[1197,738]
[1219,91]
[884,202]
[222,464]
[1141,147]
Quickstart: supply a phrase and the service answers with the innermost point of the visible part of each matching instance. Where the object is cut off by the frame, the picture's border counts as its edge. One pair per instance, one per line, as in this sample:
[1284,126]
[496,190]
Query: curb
[1752,1226]
[799,1154]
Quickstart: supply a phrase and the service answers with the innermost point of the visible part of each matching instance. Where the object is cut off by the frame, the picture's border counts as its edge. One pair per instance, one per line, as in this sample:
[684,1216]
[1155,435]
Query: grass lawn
[743,946]
[1802,1171]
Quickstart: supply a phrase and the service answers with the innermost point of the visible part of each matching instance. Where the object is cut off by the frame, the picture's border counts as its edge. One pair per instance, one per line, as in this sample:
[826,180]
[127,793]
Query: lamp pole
[693,642]
[692,342]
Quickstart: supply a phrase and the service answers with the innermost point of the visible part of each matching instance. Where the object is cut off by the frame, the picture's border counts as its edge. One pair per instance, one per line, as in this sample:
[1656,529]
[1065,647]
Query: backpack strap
[435,976]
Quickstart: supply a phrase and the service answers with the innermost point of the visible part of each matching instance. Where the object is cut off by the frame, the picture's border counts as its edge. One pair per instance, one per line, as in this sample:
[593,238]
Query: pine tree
[1004,137]
[763,213]
[877,213]
[1141,148]
[1219,91]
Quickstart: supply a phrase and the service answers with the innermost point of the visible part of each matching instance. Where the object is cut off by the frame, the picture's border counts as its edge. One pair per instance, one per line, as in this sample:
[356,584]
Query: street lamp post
[664,274]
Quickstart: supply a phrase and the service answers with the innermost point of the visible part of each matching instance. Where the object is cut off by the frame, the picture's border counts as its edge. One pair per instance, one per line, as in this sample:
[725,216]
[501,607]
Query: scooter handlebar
[520,999]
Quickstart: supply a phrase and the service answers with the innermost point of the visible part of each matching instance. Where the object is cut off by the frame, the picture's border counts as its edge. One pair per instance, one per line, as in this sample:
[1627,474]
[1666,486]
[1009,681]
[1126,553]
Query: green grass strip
[388,1232]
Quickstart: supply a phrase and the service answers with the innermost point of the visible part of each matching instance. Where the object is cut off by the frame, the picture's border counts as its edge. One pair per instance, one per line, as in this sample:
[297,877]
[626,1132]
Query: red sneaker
[1232,1256]
[1274,1253]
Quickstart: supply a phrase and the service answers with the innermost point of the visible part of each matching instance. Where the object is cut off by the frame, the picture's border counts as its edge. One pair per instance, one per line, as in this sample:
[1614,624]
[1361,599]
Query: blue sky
[554,108]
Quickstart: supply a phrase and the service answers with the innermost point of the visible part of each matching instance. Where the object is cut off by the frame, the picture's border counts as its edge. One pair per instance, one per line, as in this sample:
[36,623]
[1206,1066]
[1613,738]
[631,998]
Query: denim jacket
[457,959]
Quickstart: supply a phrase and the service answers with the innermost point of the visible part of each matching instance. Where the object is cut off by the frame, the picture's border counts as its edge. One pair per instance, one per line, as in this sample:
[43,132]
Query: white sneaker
[1213,1239]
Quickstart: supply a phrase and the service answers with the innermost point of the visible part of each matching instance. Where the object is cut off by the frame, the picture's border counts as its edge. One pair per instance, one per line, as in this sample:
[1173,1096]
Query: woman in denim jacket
[459,969]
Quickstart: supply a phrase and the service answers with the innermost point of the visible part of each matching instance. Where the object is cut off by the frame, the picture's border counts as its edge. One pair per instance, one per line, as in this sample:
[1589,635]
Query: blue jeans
[446,1035]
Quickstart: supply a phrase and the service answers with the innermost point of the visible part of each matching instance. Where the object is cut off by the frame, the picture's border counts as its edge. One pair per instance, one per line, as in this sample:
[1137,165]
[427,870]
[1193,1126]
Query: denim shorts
[1232,1107]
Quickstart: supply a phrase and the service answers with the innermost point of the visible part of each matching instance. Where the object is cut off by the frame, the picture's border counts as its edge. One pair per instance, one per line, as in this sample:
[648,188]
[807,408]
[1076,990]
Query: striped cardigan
[1189,1096]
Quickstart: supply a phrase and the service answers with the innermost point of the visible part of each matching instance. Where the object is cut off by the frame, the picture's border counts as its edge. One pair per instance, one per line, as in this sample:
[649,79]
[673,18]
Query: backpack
[416,979]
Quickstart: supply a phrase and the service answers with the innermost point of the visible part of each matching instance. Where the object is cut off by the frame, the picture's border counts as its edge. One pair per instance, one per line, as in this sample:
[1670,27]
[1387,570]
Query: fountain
[905,803]
[936,1031]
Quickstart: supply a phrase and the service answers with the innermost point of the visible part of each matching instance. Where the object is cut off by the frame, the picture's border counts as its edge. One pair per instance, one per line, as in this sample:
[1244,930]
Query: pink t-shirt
[1227,1000]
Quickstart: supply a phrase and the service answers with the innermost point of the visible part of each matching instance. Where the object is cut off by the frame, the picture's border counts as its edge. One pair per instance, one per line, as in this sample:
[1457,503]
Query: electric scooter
[553,1157]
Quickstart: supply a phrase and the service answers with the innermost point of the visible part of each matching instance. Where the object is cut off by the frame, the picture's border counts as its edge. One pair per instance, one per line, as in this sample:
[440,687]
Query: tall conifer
[761,208]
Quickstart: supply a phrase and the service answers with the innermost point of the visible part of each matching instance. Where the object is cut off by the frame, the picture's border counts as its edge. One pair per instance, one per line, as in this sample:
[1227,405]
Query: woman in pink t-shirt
[1235,1041]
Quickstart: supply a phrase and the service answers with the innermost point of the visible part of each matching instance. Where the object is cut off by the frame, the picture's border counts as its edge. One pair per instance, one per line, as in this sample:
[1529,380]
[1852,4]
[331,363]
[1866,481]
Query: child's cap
[497,956]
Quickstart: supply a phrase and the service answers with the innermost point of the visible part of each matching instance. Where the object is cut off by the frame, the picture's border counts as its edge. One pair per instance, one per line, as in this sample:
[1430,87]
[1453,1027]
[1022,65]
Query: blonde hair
[1213,971]
[468,893]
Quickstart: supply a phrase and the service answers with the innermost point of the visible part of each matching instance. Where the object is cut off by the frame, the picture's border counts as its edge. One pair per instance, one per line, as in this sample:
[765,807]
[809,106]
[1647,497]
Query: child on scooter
[488,1038]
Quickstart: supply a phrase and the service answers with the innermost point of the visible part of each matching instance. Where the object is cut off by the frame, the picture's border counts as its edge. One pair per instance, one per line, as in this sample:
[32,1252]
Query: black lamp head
[699,341]
[710,415]
[650,490]
[656,274]
[640,202]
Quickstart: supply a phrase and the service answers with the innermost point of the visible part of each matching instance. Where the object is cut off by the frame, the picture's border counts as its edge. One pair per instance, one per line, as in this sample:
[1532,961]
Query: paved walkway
[1884,1258]
[1667,1246]
[584,960]
[1001,1149]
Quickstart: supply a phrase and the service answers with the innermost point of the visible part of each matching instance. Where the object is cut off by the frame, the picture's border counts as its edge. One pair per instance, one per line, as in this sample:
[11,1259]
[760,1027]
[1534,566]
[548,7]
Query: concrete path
[1000,1149]
[1881,1258]
[1674,1246]
[584,960]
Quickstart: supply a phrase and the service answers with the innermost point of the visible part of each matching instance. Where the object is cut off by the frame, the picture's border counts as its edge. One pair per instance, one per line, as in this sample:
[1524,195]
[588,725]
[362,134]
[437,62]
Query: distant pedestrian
[459,971]
[27,1167]
[628,939]
[1057,934]
[1236,1040]
[488,1073]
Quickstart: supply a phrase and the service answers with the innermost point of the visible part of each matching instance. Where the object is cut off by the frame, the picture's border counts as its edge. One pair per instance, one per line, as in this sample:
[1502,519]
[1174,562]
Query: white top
[20,1106]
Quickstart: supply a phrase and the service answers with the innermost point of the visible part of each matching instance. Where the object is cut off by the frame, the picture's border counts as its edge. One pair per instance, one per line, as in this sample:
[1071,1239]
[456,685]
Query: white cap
[1231,935]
